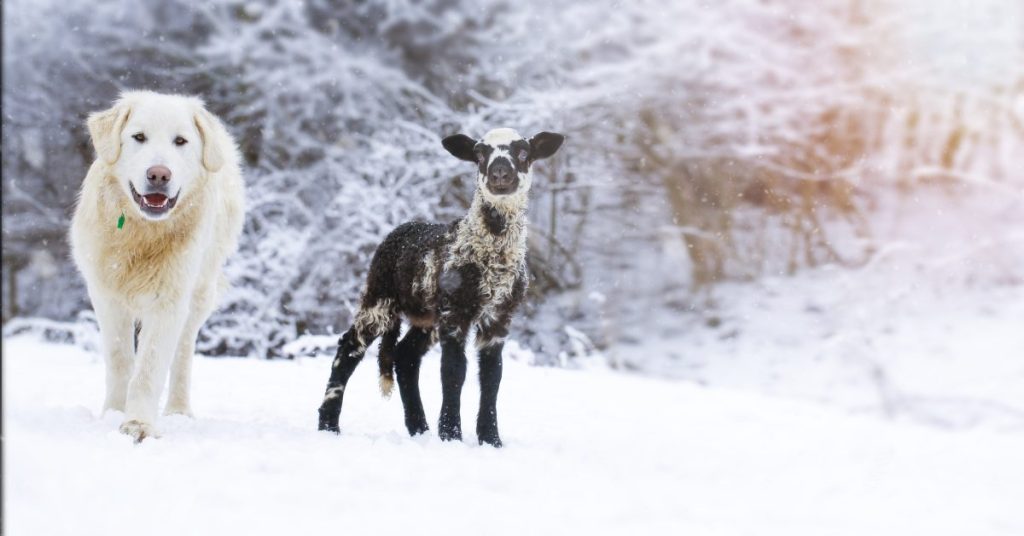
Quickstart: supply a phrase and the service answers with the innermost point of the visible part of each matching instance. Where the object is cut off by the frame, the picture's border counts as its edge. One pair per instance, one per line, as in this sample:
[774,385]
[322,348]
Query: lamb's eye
[140,137]
[179,141]
[522,156]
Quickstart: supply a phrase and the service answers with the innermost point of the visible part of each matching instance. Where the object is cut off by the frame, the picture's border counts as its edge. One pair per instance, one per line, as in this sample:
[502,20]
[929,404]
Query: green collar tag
[120,221]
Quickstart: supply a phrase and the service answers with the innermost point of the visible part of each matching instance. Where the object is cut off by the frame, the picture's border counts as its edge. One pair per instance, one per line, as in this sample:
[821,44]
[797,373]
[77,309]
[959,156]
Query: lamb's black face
[503,167]
[503,158]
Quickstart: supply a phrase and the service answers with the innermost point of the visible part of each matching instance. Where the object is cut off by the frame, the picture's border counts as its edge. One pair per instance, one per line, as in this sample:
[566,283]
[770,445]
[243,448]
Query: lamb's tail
[386,359]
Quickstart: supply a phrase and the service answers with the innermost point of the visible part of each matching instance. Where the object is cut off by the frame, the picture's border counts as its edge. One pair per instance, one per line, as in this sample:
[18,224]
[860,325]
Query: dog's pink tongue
[155,200]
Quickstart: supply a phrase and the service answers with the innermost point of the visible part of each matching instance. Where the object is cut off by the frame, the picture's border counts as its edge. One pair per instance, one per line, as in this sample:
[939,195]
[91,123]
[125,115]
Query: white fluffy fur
[164,272]
[501,136]
[426,285]
[376,320]
[387,386]
[501,259]
[483,342]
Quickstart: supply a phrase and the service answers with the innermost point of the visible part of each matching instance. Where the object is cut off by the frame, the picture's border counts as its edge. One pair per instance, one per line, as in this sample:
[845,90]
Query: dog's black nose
[158,175]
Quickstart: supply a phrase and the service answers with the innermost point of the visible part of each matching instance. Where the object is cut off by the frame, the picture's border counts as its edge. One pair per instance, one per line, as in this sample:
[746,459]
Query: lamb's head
[503,159]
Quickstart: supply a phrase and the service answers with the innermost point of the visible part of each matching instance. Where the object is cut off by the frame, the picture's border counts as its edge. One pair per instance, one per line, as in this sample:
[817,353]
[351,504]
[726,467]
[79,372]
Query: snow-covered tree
[706,141]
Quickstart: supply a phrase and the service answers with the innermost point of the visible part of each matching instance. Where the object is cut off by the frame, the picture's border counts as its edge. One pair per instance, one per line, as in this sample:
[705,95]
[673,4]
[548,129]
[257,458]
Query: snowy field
[587,452]
[880,399]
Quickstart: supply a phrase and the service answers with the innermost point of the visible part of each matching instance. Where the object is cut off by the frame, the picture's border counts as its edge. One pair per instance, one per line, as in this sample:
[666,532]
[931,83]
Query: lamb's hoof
[449,433]
[417,430]
[491,439]
[449,425]
[417,427]
[179,410]
[138,430]
[328,421]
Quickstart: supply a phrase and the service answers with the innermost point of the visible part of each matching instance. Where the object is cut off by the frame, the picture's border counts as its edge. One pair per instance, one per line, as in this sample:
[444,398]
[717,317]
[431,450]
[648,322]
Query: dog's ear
[105,130]
[545,144]
[461,146]
[210,131]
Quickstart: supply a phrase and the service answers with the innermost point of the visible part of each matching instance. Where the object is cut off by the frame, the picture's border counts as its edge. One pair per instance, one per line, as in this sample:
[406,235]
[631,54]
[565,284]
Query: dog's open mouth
[154,204]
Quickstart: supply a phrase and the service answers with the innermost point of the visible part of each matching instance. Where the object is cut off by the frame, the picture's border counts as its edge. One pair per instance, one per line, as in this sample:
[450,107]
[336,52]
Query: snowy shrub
[706,141]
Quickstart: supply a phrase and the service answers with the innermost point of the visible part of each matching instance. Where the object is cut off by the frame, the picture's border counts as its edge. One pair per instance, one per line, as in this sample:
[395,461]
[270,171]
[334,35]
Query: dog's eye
[179,141]
[140,137]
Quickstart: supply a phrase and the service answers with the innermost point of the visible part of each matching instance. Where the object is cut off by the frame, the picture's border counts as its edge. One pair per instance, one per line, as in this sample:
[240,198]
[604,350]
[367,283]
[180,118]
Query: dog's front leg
[158,340]
[117,331]
[179,397]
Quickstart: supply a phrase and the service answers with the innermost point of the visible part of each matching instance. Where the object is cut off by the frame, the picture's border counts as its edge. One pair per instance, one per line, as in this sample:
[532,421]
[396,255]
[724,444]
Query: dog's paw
[138,430]
[179,409]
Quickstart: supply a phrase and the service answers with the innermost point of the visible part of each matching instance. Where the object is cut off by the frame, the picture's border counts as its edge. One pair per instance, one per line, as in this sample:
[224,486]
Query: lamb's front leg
[460,302]
[453,376]
[158,341]
[490,379]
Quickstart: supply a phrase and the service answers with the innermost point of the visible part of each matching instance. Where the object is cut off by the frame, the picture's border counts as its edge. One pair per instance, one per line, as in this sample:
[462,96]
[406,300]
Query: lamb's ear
[213,150]
[105,130]
[461,146]
[545,144]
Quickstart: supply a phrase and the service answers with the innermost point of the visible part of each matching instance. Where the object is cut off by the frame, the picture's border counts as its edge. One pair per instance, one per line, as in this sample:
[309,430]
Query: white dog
[159,212]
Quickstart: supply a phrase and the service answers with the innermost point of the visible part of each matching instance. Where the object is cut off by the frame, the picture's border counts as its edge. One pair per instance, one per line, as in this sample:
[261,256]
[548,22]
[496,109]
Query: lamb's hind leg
[371,322]
[409,355]
[386,357]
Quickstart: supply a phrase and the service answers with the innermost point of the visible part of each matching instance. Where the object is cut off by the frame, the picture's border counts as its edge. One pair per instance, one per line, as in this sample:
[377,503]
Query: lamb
[445,280]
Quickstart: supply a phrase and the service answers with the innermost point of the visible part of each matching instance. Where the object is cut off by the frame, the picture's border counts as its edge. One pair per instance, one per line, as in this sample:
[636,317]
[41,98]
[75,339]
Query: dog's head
[159,147]
[503,158]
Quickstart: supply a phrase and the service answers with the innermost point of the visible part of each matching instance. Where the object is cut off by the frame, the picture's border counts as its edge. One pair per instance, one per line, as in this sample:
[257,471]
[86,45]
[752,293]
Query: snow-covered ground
[587,452]
[929,330]
[880,399]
